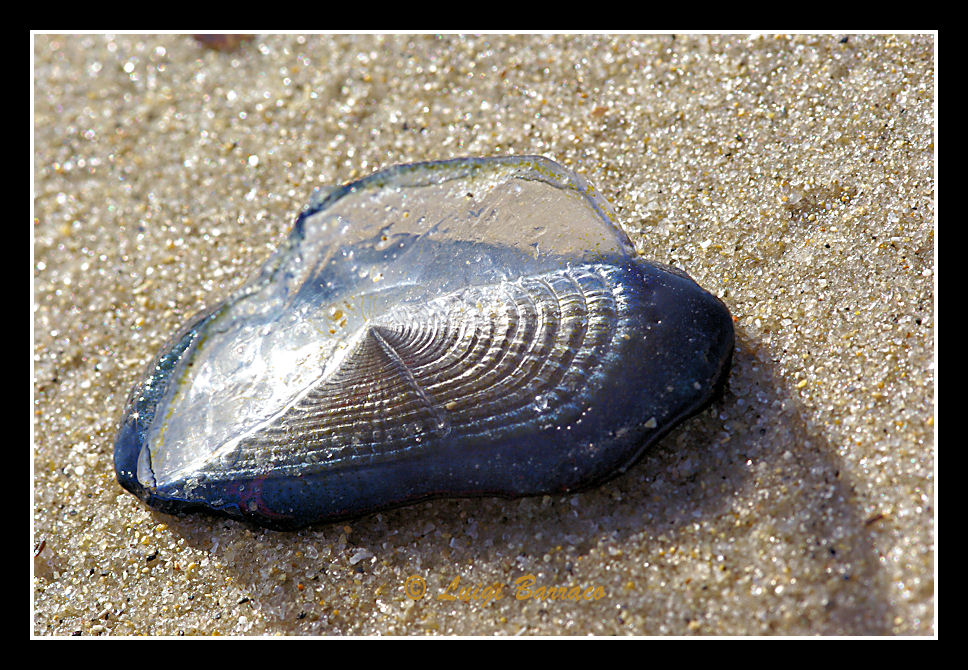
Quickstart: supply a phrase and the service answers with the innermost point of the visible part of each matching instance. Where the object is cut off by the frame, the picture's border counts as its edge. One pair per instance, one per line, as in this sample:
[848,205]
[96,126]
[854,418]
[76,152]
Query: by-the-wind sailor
[456,328]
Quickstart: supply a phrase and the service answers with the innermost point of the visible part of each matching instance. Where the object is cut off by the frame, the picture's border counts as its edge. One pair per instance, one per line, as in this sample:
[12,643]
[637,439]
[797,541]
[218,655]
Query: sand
[793,176]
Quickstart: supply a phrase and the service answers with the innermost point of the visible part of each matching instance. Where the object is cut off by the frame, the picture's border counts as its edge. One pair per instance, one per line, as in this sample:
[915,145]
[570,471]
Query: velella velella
[466,327]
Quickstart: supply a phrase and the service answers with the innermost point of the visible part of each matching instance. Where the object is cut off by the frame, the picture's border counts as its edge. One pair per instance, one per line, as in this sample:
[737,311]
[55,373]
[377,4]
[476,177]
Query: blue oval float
[470,327]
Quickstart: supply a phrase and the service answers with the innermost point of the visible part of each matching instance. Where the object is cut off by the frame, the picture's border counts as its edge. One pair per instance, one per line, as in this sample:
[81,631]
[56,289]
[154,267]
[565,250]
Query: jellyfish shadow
[702,473]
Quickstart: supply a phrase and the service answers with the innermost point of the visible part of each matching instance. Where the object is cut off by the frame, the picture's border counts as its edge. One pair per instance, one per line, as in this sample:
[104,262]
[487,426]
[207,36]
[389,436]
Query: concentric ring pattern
[483,361]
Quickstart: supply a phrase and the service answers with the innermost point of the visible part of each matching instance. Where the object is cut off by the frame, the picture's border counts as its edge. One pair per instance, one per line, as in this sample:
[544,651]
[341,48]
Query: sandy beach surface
[791,175]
